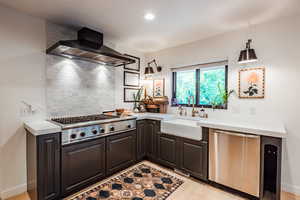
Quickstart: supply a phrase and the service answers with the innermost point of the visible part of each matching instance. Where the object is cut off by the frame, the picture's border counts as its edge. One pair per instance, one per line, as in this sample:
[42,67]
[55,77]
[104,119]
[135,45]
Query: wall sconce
[149,68]
[247,55]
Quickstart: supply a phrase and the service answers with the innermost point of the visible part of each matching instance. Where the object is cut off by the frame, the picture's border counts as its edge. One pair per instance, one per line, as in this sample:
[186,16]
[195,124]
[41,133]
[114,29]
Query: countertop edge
[37,131]
[246,130]
[44,127]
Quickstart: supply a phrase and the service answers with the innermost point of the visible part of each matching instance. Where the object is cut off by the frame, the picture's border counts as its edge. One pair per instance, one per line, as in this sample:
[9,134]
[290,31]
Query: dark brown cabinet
[43,166]
[82,164]
[141,139]
[189,156]
[167,150]
[193,157]
[152,129]
[121,151]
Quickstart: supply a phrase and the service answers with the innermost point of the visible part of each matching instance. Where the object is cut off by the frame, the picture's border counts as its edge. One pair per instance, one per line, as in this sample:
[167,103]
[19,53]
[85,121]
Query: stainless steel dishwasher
[234,160]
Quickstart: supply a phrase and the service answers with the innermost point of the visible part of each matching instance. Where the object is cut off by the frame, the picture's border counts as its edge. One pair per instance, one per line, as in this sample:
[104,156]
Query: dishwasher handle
[236,134]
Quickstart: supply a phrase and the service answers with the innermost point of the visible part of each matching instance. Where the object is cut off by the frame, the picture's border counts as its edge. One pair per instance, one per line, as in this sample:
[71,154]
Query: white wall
[277,47]
[119,76]
[22,78]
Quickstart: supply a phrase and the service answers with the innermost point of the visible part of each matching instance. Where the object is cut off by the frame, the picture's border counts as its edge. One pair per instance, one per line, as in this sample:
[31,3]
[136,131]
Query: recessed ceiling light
[149,16]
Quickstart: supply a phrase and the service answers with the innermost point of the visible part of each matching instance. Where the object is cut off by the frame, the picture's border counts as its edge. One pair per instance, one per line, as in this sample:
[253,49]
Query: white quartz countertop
[41,127]
[252,126]
[257,127]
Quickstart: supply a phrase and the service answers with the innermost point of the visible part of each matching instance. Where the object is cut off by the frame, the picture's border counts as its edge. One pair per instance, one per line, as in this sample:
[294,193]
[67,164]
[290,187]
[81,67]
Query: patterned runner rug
[140,183]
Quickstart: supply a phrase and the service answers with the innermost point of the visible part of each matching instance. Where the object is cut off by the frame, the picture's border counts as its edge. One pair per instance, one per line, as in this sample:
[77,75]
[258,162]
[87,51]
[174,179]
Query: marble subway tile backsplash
[76,87]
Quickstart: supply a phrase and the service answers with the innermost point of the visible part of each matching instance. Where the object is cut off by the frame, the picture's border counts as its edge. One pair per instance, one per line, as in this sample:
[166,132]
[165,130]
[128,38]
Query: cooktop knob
[82,134]
[129,126]
[95,132]
[112,128]
[73,136]
[102,130]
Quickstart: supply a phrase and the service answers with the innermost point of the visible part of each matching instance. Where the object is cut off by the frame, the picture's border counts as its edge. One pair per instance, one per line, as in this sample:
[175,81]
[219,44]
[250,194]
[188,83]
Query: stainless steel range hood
[89,47]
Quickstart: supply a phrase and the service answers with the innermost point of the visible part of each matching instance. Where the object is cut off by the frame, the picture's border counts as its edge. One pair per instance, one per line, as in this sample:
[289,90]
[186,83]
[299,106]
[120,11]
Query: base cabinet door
[121,151]
[193,157]
[152,129]
[48,166]
[82,164]
[141,139]
[167,150]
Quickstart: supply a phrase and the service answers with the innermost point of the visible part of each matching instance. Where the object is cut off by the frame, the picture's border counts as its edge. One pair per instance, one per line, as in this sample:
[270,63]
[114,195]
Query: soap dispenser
[202,113]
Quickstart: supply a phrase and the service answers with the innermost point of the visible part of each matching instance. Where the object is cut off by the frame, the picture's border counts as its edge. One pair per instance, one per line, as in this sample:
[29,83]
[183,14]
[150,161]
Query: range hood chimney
[89,47]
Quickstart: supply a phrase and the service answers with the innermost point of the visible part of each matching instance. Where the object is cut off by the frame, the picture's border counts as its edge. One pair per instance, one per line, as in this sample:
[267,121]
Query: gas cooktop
[79,119]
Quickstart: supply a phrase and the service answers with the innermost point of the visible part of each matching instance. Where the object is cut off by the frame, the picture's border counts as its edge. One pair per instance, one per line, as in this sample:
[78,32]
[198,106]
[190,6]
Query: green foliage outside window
[186,86]
[211,82]
[212,86]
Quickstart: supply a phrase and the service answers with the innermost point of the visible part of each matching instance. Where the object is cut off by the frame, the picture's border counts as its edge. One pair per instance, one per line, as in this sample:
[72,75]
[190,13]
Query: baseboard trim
[10,192]
[294,189]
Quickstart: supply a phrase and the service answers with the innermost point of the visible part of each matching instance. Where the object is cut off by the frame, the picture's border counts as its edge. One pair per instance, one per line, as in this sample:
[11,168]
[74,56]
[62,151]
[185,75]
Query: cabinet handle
[236,134]
[56,144]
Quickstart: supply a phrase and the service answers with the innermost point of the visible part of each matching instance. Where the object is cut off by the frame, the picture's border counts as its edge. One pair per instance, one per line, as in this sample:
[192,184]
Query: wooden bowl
[120,111]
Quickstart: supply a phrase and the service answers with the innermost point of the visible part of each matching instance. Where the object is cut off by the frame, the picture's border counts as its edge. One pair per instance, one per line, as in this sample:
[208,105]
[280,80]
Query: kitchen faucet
[194,111]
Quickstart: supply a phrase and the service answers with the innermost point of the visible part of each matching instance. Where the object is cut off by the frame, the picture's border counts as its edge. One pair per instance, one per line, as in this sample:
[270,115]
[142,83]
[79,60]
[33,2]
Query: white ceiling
[177,21]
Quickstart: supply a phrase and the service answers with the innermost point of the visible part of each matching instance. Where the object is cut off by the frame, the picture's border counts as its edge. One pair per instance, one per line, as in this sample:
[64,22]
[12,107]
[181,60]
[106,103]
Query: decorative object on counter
[156,105]
[247,55]
[202,113]
[119,111]
[141,182]
[131,79]
[142,108]
[137,100]
[158,88]
[128,94]
[181,109]
[134,66]
[252,83]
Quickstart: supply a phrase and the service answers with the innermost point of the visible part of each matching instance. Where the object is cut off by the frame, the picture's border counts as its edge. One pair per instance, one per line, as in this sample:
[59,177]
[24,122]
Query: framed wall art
[128,94]
[252,83]
[131,79]
[134,66]
[158,88]
[148,88]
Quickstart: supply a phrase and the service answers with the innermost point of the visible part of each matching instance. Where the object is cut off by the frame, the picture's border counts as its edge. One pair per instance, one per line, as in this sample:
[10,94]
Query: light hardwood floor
[193,189]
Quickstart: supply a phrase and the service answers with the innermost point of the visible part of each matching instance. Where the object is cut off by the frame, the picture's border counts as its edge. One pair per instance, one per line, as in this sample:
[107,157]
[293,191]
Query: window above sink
[203,83]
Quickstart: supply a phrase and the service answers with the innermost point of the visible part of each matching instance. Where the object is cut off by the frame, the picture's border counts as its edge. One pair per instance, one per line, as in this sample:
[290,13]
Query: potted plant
[221,99]
[137,99]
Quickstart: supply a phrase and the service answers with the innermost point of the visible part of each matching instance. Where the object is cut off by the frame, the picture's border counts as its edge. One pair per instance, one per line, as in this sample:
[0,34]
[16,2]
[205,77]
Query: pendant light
[247,55]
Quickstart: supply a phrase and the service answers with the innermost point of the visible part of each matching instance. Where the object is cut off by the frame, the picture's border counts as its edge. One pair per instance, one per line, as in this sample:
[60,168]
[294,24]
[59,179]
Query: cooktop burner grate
[87,118]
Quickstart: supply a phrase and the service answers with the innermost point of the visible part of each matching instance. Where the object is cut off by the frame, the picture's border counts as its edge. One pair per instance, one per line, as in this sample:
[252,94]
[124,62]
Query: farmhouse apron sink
[182,128]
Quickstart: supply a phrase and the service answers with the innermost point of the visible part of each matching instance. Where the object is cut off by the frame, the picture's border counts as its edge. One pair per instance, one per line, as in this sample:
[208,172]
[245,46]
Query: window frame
[197,82]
